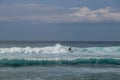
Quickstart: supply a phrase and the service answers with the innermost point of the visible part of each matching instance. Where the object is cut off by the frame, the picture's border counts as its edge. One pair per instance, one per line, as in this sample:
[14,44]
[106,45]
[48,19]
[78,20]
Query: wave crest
[50,49]
[60,49]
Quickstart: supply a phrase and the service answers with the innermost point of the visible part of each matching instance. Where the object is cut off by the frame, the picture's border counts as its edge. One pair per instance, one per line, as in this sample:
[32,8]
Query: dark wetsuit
[69,49]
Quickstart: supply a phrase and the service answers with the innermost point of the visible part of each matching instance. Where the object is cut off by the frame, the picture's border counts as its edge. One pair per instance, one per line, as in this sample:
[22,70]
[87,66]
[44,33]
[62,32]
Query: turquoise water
[58,54]
[53,61]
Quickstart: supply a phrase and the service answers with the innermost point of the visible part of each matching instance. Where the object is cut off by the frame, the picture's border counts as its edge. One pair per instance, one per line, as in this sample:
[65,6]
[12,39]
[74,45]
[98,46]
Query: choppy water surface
[53,61]
[59,73]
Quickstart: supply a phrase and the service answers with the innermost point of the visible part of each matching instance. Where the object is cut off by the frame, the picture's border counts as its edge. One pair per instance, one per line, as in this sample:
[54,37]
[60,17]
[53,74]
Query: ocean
[51,60]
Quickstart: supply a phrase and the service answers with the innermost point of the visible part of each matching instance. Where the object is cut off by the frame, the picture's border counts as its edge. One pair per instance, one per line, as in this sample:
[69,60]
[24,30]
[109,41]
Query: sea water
[51,60]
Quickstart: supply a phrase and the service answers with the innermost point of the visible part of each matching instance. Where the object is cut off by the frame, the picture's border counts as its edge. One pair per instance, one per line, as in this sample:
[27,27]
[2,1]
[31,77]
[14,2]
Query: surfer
[69,49]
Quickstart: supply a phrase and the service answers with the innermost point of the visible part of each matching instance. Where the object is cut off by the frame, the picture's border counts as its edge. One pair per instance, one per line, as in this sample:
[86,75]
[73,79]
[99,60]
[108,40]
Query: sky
[71,20]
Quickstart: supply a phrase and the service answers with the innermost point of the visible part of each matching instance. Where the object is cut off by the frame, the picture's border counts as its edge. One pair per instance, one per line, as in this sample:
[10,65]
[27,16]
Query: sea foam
[50,49]
[61,49]
[59,55]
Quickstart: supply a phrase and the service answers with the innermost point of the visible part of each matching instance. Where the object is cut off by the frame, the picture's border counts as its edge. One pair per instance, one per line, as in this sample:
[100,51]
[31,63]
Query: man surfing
[69,49]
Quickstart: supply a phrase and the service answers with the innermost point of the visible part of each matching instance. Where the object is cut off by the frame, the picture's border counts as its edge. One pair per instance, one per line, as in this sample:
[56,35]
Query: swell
[23,62]
[60,49]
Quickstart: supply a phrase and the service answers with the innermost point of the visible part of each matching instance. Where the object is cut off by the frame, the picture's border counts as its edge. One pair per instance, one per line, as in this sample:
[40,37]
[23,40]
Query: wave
[59,55]
[23,62]
[50,49]
[60,49]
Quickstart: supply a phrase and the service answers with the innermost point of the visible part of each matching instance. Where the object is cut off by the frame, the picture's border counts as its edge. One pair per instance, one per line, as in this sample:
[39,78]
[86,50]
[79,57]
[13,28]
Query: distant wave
[22,62]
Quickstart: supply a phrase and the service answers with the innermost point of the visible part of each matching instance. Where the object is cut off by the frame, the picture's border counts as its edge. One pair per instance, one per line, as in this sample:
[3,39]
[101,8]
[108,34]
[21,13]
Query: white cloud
[49,14]
[103,14]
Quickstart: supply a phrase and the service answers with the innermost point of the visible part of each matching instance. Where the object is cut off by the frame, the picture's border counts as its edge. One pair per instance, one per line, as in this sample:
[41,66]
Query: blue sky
[81,20]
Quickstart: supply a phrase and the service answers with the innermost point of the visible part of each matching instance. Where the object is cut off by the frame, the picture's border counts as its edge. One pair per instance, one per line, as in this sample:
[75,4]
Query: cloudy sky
[81,20]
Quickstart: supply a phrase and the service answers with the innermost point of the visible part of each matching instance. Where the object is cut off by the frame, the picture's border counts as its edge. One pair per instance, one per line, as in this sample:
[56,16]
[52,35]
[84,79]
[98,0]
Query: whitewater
[47,60]
[59,55]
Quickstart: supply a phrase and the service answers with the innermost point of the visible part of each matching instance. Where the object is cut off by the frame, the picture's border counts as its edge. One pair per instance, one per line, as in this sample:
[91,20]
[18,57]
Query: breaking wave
[59,55]
[50,49]
[60,49]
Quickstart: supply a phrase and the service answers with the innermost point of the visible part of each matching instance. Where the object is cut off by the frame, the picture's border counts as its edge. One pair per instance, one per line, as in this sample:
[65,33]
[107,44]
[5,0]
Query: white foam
[59,52]
[61,49]
[50,49]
